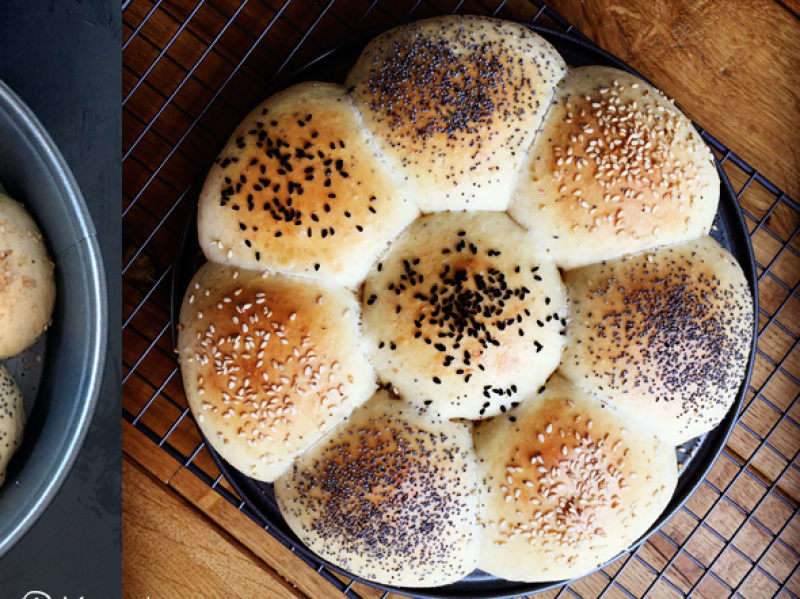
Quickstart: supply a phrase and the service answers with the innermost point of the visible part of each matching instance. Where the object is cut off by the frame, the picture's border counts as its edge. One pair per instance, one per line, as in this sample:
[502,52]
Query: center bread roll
[465,314]
[565,485]
[454,103]
[269,363]
[388,495]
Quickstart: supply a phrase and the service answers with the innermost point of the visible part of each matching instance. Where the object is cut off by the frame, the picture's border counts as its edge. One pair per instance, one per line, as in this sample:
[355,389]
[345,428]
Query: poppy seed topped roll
[617,168]
[662,336]
[298,190]
[12,420]
[388,495]
[565,485]
[269,363]
[454,103]
[465,314]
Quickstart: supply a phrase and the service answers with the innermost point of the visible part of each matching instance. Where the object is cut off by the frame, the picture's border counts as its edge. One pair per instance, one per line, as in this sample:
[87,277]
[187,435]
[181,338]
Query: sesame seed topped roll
[269,363]
[565,485]
[454,103]
[388,495]
[465,314]
[298,190]
[27,280]
[662,336]
[617,168]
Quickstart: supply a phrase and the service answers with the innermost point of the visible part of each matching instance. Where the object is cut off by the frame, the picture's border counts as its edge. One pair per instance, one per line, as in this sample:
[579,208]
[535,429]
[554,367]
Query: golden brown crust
[27,282]
[454,103]
[388,495]
[269,364]
[617,168]
[662,336]
[297,190]
[565,485]
[464,314]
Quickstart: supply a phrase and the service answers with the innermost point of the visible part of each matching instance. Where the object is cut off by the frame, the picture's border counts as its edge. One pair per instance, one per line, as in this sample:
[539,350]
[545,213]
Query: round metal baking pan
[697,456]
[60,374]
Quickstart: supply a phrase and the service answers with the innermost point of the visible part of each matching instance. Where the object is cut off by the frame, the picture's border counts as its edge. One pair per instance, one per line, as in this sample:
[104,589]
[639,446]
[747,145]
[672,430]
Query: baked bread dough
[565,485]
[388,495]
[465,314]
[12,420]
[27,282]
[298,190]
[453,103]
[663,336]
[617,168]
[269,363]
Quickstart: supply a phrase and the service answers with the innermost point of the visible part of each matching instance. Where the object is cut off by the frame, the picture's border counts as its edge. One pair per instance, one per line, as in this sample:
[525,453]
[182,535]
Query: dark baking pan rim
[76,341]
[730,230]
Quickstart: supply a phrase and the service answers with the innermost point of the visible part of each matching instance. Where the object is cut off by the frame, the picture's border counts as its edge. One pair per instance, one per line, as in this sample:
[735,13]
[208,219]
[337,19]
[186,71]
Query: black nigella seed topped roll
[465,314]
[12,420]
[298,190]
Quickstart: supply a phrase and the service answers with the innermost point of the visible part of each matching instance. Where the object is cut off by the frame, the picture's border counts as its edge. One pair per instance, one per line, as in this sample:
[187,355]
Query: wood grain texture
[184,555]
[149,455]
[733,67]
[260,542]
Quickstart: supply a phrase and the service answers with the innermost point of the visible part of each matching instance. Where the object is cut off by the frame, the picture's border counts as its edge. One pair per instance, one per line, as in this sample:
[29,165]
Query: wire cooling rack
[192,69]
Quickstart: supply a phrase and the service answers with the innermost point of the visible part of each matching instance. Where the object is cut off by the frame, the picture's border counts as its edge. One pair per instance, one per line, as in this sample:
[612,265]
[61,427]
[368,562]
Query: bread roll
[617,168]
[388,495]
[565,485]
[454,103]
[12,420]
[27,282]
[465,314]
[298,190]
[269,363]
[662,336]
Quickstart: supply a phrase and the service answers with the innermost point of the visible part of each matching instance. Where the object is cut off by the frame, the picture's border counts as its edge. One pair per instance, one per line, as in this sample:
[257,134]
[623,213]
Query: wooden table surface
[732,66]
